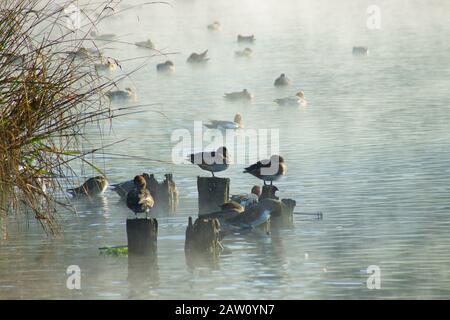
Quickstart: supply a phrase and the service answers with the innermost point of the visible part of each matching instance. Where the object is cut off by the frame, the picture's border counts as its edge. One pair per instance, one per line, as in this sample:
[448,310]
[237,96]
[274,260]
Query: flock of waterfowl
[168,67]
[136,192]
[139,199]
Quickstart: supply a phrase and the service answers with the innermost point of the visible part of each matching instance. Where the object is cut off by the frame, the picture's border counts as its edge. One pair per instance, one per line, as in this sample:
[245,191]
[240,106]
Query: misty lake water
[371,151]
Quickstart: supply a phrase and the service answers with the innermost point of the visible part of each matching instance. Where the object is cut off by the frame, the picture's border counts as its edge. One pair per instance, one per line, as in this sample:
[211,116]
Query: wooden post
[286,218]
[212,192]
[203,236]
[172,193]
[142,236]
[164,193]
[268,191]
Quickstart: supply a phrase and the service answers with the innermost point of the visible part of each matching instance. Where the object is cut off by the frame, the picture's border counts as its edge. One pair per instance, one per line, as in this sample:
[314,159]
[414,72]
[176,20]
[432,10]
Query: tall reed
[48,94]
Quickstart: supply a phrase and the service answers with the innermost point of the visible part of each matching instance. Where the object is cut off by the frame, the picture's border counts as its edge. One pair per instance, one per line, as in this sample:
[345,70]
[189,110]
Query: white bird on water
[238,123]
[239,95]
[297,100]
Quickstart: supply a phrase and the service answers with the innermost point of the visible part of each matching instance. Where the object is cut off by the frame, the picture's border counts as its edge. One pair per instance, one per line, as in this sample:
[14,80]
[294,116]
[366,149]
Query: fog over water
[371,151]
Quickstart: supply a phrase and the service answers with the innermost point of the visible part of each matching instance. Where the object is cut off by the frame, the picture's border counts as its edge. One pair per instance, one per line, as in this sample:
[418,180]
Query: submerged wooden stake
[203,236]
[142,236]
[164,193]
[212,192]
[286,216]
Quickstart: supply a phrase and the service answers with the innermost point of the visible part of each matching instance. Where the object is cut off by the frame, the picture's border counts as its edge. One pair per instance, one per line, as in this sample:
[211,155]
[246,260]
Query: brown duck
[91,187]
[140,199]
[268,170]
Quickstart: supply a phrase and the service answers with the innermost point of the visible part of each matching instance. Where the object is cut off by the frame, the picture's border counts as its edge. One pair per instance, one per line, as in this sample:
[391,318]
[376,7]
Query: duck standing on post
[213,161]
[269,169]
[140,199]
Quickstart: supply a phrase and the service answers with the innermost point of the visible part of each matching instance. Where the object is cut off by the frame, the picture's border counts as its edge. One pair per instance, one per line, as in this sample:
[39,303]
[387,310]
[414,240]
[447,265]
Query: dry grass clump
[47,96]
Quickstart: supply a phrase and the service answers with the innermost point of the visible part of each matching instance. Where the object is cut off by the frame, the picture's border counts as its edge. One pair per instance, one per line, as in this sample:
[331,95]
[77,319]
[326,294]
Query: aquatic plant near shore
[46,99]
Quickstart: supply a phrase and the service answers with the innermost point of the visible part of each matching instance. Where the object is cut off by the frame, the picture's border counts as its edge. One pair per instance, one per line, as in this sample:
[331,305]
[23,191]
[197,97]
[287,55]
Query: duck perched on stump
[269,169]
[139,199]
[214,161]
[248,200]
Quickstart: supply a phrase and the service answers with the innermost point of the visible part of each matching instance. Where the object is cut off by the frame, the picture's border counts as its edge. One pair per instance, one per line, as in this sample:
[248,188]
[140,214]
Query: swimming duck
[360,51]
[167,66]
[228,211]
[250,38]
[223,125]
[91,187]
[109,64]
[80,53]
[269,169]
[214,161]
[282,81]
[248,200]
[198,57]
[122,95]
[102,37]
[139,198]
[240,95]
[215,26]
[247,52]
[258,214]
[298,100]
[145,44]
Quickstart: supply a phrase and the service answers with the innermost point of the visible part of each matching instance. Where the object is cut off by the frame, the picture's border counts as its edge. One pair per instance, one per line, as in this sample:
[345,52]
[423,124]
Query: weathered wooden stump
[286,217]
[165,194]
[203,236]
[202,245]
[142,236]
[268,191]
[212,192]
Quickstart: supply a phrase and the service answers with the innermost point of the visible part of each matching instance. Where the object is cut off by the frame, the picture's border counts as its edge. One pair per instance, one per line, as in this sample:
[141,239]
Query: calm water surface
[371,151]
